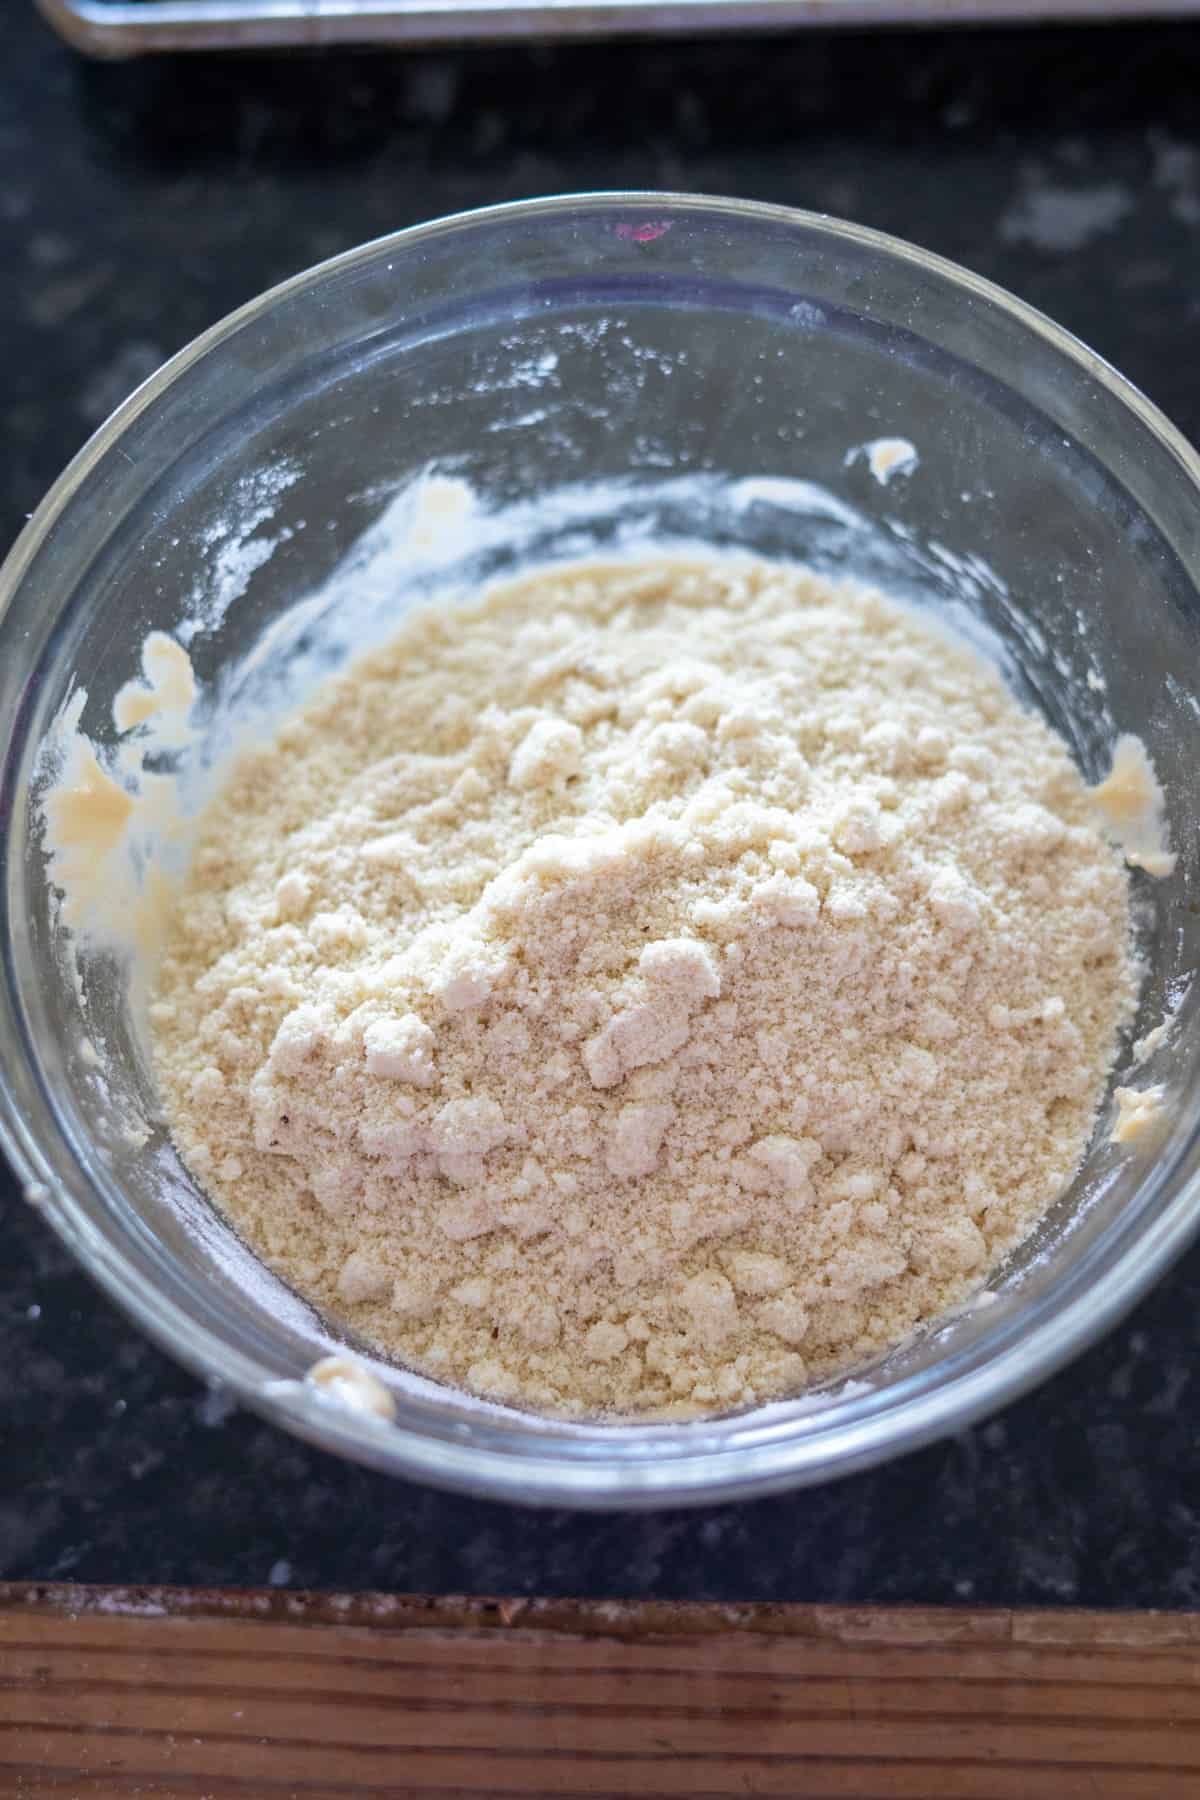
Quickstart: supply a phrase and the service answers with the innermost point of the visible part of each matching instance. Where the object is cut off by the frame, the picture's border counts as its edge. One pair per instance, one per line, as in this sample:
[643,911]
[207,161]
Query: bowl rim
[533,1476]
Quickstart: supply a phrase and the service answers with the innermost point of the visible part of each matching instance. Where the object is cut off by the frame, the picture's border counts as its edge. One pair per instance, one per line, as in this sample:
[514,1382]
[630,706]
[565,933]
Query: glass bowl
[669,366]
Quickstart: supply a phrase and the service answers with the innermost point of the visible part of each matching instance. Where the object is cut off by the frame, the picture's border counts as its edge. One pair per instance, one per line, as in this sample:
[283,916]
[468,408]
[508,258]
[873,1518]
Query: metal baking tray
[130,27]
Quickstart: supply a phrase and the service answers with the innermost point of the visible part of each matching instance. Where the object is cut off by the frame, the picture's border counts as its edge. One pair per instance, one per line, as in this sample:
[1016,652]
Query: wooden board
[107,1694]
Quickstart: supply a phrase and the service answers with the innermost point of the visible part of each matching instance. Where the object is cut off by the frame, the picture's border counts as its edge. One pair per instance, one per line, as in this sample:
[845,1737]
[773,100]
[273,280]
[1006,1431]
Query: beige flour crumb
[647,989]
[1141,1114]
[348,1384]
[1132,804]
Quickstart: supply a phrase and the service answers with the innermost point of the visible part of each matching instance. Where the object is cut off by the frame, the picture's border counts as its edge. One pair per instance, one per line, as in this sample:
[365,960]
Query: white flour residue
[792,496]
[523,421]
[820,1400]
[232,551]
[429,511]
[529,371]
[1163,1034]
[590,333]
[808,315]
[245,1273]
[1181,697]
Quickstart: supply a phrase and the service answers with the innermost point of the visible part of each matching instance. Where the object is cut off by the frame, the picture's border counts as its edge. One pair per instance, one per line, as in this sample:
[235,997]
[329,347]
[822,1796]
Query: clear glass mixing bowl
[632,339]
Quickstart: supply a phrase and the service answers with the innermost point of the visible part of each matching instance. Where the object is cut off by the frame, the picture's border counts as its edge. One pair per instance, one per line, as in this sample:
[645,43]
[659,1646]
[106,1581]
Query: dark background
[138,203]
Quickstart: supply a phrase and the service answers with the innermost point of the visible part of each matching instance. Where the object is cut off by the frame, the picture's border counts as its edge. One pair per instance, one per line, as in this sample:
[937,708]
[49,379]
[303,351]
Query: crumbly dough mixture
[648,988]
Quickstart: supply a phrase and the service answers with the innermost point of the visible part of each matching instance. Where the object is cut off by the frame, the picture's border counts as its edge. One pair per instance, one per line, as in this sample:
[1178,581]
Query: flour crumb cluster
[648,989]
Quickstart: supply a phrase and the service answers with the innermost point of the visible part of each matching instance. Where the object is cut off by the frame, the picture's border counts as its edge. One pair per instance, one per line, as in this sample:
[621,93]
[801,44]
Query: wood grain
[107,1694]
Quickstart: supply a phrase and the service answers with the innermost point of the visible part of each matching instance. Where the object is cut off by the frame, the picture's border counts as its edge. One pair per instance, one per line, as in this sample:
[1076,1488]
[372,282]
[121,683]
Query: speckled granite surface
[137,204]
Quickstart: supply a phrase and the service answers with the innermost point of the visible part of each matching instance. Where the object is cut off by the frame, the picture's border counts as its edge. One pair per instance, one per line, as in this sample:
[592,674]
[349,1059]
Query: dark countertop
[140,202]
